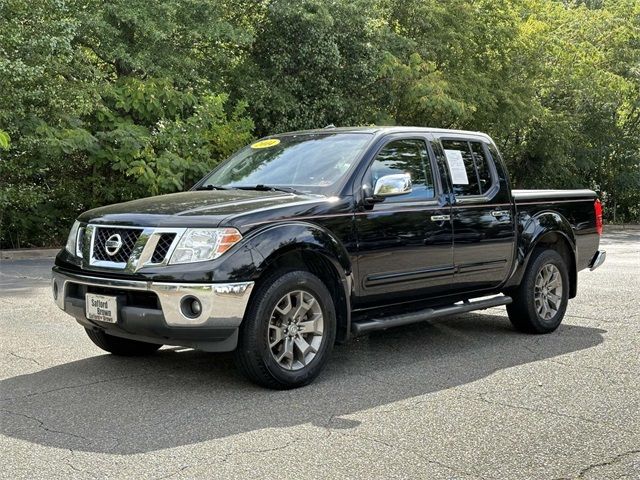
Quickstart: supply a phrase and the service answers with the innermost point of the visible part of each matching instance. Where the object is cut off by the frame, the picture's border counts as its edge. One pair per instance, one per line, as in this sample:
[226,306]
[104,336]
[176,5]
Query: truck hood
[194,208]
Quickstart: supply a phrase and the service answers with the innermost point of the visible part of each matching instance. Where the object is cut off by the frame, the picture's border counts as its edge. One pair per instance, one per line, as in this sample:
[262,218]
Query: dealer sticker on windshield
[101,308]
[269,142]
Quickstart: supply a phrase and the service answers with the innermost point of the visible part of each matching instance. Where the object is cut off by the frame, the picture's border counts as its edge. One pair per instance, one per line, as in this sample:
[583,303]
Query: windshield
[310,163]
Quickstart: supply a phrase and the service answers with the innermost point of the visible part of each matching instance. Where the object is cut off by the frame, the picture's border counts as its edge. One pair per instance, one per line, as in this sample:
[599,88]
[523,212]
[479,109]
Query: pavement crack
[374,379]
[613,461]
[82,385]
[72,466]
[44,427]
[482,397]
[413,452]
[67,461]
[259,450]
[601,320]
[601,370]
[174,473]
[26,358]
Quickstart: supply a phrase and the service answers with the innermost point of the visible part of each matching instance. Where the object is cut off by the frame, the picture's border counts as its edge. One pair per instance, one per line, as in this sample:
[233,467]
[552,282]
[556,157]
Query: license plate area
[103,308]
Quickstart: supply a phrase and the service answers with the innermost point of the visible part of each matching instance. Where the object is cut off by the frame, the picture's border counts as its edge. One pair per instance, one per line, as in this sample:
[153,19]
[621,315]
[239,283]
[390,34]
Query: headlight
[202,244]
[73,246]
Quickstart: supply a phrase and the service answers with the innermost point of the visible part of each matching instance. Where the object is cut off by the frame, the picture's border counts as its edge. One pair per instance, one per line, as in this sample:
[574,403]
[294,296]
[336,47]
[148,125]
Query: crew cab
[305,239]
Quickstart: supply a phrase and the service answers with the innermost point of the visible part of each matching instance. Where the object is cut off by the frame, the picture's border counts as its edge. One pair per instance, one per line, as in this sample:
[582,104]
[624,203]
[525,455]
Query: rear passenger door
[482,216]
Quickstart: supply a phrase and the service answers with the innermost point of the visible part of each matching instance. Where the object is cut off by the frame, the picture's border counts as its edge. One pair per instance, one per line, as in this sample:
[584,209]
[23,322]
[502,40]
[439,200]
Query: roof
[389,129]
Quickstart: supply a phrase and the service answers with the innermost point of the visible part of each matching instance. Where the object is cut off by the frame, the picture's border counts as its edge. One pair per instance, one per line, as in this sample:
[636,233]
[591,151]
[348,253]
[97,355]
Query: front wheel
[288,332]
[541,300]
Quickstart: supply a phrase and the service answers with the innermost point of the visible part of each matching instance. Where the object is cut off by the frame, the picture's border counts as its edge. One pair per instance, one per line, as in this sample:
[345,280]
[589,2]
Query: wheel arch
[307,246]
[548,230]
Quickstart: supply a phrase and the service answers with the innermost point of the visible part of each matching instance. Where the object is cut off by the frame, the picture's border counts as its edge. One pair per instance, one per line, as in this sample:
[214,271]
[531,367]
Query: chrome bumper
[597,260]
[223,304]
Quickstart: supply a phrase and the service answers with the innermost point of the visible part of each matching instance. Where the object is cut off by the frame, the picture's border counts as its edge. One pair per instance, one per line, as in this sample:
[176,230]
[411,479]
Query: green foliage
[4,140]
[109,102]
[312,63]
[103,102]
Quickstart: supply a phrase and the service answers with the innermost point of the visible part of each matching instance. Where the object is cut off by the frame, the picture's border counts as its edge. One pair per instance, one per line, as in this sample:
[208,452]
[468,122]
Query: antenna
[331,125]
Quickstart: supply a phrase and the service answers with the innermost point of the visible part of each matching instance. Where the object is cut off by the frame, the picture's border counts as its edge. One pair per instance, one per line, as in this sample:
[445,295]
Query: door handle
[440,218]
[500,213]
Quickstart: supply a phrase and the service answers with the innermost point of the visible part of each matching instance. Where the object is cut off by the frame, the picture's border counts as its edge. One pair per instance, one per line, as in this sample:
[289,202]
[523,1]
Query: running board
[359,328]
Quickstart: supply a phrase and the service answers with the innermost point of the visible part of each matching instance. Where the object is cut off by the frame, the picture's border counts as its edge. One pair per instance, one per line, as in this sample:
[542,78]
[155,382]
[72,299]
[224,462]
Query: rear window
[469,167]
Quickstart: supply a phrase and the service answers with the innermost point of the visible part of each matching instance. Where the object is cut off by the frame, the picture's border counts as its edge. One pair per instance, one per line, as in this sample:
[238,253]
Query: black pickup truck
[308,238]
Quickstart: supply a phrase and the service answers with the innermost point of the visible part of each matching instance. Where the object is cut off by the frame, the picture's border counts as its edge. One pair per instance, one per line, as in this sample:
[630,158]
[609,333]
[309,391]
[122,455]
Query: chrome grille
[138,246]
[162,248]
[129,238]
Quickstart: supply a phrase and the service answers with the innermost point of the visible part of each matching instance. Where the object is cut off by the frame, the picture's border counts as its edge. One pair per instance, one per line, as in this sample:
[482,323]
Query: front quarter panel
[270,242]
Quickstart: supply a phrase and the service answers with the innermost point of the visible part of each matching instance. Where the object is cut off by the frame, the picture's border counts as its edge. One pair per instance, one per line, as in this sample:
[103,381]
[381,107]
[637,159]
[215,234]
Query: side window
[468,167]
[482,166]
[405,156]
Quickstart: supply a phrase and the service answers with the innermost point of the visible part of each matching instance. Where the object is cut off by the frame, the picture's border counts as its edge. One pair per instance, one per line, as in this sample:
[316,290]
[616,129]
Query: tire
[120,346]
[270,331]
[529,313]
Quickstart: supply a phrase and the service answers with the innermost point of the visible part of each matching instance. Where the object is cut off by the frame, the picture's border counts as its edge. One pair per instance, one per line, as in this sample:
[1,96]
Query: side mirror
[392,185]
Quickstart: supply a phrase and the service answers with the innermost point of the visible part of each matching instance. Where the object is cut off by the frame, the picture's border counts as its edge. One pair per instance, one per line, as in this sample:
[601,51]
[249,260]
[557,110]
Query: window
[468,167]
[405,156]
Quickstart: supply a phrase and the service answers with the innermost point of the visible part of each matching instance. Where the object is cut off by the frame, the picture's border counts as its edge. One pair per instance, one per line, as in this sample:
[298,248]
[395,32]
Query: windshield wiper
[268,188]
[211,187]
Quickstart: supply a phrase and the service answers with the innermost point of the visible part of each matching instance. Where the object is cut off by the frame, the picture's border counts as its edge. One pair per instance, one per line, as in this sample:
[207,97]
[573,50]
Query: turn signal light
[597,208]
[228,239]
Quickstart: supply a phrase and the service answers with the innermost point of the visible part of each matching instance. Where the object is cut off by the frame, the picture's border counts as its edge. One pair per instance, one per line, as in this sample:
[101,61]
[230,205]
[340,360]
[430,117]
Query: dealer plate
[101,307]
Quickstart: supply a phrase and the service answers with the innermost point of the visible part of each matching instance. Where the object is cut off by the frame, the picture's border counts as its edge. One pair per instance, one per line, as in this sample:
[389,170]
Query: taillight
[597,208]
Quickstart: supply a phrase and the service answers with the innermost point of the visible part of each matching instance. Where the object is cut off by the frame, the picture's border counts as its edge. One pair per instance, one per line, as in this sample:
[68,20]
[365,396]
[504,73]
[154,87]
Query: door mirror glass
[392,185]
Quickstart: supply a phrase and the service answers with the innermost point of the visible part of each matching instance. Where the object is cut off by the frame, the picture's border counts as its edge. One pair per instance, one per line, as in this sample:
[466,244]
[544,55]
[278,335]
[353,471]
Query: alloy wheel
[295,330]
[548,291]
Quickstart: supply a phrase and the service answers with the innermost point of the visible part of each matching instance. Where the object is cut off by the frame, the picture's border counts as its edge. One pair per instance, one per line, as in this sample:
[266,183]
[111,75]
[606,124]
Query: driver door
[405,242]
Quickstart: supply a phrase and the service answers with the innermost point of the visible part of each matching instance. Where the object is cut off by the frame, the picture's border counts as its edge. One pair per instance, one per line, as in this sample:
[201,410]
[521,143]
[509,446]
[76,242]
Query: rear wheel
[288,332]
[120,346]
[540,302]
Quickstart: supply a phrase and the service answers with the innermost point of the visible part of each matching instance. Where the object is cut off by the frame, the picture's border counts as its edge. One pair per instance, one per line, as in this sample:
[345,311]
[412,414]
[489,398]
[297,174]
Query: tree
[108,102]
[313,63]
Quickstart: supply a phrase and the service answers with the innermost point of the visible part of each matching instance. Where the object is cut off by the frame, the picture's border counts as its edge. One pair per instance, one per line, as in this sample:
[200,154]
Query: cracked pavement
[458,398]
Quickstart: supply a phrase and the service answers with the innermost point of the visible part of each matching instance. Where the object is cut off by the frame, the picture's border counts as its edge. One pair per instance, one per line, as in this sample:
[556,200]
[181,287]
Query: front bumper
[151,311]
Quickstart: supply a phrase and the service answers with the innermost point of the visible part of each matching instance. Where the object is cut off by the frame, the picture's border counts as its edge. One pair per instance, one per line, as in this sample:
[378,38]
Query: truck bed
[570,204]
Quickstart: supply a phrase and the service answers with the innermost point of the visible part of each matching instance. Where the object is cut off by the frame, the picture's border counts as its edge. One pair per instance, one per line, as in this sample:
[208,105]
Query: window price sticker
[456,167]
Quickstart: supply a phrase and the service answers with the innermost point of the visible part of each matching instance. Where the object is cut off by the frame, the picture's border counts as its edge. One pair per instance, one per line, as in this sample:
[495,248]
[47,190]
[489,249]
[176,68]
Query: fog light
[191,307]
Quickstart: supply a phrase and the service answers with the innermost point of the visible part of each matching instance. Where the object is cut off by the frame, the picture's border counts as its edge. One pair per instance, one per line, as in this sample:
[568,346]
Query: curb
[28,253]
[621,228]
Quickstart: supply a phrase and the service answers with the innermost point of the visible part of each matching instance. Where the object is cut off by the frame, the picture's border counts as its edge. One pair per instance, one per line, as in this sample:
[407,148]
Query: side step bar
[365,326]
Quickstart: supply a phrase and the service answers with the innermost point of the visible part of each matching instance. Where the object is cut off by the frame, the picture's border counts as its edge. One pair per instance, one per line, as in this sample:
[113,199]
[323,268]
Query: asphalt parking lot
[464,397]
